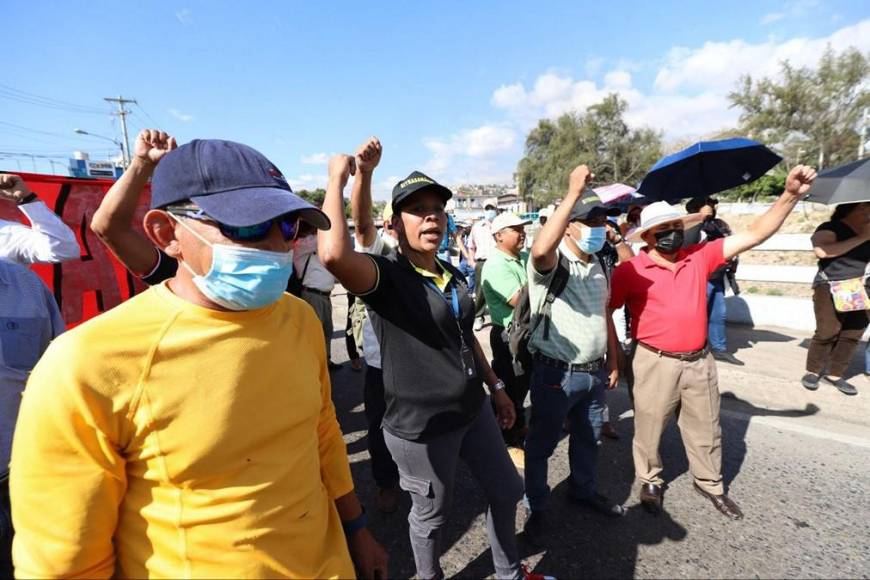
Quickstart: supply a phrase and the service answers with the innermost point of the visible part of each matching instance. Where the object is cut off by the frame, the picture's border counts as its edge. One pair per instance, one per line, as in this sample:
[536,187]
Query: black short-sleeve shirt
[426,389]
[849,265]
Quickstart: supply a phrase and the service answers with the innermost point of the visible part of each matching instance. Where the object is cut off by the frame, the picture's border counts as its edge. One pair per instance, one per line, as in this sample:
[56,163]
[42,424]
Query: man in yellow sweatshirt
[189,432]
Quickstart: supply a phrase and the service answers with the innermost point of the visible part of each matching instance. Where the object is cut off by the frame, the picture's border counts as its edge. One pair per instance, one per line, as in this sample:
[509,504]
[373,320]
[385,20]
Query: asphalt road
[799,467]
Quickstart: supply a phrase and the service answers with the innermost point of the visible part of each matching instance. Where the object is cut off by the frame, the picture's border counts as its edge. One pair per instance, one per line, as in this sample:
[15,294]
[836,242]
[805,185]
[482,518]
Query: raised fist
[799,180]
[152,145]
[340,167]
[579,178]
[13,188]
[368,155]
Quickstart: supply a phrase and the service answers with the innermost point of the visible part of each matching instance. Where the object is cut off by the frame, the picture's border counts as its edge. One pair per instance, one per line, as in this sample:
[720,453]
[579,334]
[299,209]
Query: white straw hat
[659,213]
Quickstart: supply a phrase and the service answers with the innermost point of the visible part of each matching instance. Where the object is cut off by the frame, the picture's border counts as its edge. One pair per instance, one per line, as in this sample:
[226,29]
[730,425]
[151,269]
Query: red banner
[97,281]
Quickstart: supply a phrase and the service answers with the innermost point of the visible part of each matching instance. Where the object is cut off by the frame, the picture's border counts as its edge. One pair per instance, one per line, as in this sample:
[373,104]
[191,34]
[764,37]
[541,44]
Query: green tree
[600,138]
[810,114]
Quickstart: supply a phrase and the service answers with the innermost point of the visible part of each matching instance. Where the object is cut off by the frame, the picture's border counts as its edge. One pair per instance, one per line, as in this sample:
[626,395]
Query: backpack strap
[557,285]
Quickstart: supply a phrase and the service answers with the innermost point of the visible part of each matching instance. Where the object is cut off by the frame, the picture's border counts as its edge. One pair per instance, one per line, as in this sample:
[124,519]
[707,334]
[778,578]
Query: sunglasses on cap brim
[288,224]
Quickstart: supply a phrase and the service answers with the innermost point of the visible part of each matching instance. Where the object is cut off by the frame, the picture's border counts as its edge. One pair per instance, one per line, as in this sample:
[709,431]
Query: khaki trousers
[662,386]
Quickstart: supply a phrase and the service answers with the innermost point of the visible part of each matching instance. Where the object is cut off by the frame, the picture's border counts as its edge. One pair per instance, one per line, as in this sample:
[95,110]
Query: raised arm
[797,185]
[356,272]
[48,240]
[825,244]
[113,220]
[367,158]
[544,257]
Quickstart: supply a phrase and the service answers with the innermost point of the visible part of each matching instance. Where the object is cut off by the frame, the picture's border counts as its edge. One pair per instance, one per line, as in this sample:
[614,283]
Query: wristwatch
[498,386]
[27,199]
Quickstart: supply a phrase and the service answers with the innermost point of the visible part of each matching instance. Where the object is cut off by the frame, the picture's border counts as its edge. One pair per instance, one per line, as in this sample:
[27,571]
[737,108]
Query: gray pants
[427,470]
[322,305]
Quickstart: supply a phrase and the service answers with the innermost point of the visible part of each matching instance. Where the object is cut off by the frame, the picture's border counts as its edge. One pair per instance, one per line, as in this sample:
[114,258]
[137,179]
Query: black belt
[587,367]
[314,291]
[690,356]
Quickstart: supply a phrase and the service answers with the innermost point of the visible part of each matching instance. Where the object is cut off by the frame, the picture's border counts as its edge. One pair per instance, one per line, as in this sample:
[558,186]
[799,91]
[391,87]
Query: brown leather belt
[683,356]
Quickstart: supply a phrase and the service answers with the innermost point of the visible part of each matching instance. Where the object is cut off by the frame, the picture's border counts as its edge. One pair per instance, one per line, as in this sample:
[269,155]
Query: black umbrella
[845,184]
[707,167]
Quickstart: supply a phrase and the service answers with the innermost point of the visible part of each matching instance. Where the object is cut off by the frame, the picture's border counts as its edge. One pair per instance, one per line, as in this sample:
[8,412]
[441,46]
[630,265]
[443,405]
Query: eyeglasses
[288,224]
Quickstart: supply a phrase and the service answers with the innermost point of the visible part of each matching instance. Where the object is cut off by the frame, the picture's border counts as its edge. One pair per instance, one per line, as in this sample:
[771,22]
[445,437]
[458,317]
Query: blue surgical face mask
[242,278]
[592,239]
[490,214]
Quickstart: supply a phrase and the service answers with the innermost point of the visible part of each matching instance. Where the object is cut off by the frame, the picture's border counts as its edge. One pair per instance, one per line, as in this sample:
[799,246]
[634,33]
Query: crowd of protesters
[191,431]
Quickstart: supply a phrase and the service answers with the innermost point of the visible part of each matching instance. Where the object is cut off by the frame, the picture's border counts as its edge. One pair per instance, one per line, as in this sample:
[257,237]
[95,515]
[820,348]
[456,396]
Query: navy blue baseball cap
[234,184]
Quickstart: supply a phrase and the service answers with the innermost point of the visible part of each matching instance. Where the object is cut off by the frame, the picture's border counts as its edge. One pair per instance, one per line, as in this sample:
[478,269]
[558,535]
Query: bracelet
[353,526]
[498,386]
[28,199]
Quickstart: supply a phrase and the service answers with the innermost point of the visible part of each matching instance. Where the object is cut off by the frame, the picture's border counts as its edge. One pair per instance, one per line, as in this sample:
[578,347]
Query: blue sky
[450,87]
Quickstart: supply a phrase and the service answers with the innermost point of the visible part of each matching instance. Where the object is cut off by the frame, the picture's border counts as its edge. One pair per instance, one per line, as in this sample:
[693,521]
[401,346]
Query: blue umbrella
[707,167]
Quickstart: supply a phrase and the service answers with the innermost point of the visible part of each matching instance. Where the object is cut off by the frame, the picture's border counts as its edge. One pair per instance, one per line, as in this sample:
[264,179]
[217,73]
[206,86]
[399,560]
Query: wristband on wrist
[498,386]
[27,199]
[353,526]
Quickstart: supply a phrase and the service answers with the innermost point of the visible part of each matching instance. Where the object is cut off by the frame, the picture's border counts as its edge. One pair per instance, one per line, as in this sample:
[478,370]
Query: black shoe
[842,385]
[651,496]
[600,504]
[810,381]
[535,528]
[727,357]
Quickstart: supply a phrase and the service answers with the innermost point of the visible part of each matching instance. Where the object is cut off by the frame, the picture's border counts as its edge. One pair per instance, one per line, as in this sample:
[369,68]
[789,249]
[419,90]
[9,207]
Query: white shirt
[371,346]
[481,239]
[317,277]
[48,240]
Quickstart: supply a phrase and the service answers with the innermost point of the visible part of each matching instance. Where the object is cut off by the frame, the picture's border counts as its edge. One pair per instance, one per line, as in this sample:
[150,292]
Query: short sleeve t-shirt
[578,327]
[849,265]
[668,308]
[502,276]
[425,386]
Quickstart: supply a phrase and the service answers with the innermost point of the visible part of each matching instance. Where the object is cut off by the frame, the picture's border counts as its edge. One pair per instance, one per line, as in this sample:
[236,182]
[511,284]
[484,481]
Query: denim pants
[867,358]
[6,531]
[716,315]
[427,470]
[556,395]
[384,469]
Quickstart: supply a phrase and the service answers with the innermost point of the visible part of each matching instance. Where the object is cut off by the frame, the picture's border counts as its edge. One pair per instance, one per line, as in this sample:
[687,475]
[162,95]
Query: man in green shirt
[503,276]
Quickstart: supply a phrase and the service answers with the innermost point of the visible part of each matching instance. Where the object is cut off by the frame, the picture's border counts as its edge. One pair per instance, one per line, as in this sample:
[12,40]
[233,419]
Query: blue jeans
[716,315]
[468,272]
[867,358]
[557,395]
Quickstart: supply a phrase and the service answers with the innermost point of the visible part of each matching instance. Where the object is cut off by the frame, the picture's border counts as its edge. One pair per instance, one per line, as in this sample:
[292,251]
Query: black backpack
[520,329]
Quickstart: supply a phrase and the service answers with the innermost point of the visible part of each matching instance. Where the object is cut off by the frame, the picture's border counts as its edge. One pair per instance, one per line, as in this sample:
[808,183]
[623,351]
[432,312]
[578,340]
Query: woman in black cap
[433,368]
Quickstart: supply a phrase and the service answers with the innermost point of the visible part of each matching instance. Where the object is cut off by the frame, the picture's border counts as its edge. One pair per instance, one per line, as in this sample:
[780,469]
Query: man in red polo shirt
[665,287]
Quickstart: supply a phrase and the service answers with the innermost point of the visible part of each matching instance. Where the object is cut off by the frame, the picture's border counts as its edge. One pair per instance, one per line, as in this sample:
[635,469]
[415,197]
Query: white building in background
[470,200]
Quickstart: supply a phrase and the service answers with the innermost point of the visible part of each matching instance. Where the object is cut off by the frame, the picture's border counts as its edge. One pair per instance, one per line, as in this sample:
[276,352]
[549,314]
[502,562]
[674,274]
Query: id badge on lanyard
[466,353]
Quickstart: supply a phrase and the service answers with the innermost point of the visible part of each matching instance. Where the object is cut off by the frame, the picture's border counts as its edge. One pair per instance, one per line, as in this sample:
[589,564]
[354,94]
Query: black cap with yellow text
[415,182]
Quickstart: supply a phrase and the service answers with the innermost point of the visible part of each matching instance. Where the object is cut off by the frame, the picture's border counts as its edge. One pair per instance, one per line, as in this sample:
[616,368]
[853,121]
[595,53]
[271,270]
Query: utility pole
[122,113]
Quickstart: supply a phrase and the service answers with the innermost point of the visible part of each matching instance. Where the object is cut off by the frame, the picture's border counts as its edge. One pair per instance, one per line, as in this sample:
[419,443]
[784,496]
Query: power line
[20,96]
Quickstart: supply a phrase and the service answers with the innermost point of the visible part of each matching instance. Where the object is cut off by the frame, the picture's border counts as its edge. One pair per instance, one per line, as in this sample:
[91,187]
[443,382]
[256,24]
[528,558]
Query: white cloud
[718,65]
[308,181]
[772,17]
[470,151]
[688,98]
[183,16]
[315,159]
[183,117]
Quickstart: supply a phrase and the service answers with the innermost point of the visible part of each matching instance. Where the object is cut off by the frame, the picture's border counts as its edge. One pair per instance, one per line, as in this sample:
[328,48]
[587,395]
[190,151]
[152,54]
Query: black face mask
[669,241]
